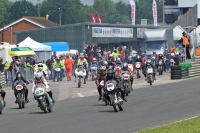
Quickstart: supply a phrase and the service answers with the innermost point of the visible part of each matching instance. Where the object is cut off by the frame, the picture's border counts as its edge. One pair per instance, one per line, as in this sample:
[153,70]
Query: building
[174,9]
[7,33]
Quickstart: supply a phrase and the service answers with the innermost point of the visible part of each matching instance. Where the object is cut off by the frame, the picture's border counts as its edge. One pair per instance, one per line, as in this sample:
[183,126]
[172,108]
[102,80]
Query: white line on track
[80,95]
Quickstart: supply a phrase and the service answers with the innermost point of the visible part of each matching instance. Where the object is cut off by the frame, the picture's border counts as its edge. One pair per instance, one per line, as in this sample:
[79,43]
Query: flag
[154,8]
[99,18]
[132,2]
[93,17]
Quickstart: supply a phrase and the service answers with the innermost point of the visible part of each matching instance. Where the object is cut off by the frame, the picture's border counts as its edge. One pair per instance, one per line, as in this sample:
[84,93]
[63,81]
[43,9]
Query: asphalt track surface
[146,108]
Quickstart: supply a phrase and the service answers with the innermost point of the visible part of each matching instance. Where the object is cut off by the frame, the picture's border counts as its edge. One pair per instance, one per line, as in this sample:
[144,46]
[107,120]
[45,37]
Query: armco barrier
[195,69]
[2,78]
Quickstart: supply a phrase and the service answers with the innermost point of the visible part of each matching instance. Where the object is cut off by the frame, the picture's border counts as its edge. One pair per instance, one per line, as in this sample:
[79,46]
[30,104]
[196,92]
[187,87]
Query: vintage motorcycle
[138,67]
[20,90]
[125,79]
[93,72]
[44,101]
[113,96]
[57,73]
[150,75]
[80,73]
[160,67]
[103,93]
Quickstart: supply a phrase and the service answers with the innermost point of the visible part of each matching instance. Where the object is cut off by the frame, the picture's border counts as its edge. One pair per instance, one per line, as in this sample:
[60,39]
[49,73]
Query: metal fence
[188,19]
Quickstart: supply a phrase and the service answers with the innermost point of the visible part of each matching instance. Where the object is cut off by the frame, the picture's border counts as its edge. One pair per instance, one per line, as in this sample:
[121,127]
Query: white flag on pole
[132,2]
[154,8]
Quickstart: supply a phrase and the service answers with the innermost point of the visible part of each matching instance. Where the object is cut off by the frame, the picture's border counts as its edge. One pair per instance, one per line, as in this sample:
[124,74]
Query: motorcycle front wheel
[19,98]
[113,103]
[79,82]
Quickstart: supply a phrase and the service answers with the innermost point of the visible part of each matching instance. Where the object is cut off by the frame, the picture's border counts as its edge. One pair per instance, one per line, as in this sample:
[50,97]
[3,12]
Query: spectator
[2,65]
[69,67]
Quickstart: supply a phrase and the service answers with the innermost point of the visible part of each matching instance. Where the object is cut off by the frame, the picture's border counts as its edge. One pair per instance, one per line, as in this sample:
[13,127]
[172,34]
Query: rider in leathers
[101,76]
[18,77]
[160,57]
[40,69]
[111,62]
[118,62]
[147,64]
[130,60]
[125,69]
[39,79]
[111,76]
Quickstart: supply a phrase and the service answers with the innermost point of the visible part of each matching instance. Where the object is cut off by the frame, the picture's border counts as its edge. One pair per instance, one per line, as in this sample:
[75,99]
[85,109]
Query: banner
[112,32]
[93,17]
[99,18]
[132,2]
[154,8]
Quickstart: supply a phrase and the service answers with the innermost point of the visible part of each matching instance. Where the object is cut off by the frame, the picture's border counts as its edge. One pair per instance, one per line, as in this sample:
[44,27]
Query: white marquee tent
[43,51]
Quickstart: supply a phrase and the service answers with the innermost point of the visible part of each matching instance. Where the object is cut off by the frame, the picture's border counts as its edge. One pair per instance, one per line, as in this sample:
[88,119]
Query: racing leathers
[107,78]
[100,77]
[131,76]
[161,58]
[45,83]
[25,88]
[153,70]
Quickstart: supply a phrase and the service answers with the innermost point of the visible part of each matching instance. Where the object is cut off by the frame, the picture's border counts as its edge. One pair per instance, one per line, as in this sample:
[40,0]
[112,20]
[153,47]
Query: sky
[87,2]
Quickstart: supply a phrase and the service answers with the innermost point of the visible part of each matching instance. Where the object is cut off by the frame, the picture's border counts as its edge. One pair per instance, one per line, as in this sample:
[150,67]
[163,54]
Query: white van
[4,51]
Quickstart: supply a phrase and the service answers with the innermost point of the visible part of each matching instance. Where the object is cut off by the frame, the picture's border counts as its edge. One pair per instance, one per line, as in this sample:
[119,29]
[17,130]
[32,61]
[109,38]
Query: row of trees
[75,12]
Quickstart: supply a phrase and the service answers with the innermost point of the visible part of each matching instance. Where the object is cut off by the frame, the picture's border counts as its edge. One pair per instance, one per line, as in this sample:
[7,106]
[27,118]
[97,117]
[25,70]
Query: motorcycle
[19,87]
[112,96]
[150,75]
[118,70]
[57,74]
[138,67]
[80,73]
[2,105]
[160,67]
[153,59]
[93,72]
[172,62]
[44,101]
[126,82]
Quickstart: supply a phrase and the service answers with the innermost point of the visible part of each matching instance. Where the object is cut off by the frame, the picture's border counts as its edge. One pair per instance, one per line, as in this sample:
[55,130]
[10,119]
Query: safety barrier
[2,78]
[195,69]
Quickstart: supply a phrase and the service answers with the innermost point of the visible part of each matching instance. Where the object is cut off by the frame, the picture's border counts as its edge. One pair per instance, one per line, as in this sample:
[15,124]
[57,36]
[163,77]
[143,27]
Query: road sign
[143,21]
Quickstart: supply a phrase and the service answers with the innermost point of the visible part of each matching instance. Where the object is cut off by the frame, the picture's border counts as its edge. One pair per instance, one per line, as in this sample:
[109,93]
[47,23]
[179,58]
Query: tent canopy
[35,46]
[58,46]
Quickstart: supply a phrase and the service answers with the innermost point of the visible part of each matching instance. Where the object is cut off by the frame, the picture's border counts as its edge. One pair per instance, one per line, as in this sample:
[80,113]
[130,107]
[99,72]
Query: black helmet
[125,66]
[130,58]
[57,59]
[110,72]
[18,75]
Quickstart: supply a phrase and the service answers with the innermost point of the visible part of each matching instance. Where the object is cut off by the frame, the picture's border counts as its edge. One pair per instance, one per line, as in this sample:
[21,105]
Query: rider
[130,60]
[3,93]
[118,62]
[100,77]
[40,69]
[149,63]
[19,76]
[110,61]
[125,68]
[161,57]
[111,76]
[84,61]
[154,54]
[138,59]
[58,63]
[40,80]
[94,62]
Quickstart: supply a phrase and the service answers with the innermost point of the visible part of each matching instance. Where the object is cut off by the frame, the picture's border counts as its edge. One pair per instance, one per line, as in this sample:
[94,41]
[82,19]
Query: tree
[73,13]
[22,8]
[4,6]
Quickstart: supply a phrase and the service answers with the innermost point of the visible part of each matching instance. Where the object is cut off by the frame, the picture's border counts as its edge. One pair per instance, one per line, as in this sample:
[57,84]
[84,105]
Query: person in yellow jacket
[60,64]
[114,54]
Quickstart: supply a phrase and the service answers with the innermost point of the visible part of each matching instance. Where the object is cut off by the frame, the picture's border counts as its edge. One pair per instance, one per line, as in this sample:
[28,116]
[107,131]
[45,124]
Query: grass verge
[185,126]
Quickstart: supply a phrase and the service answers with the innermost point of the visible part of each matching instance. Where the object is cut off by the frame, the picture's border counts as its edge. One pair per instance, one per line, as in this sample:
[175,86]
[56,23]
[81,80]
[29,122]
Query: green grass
[186,126]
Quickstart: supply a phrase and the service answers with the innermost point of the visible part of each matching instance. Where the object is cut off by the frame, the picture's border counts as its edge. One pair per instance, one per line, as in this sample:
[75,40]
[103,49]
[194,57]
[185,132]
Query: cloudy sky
[88,2]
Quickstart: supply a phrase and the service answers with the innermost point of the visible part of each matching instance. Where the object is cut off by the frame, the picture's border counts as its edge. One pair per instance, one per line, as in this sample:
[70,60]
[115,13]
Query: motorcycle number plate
[126,77]
[171,60]
[137,65]
[149,71]
[39,92]
[19,87]
[160,62]
[110,87]
[102,83]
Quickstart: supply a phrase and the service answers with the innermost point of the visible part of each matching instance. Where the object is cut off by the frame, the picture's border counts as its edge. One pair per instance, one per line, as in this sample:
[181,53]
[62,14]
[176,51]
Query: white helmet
[40,66]
[38,76]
